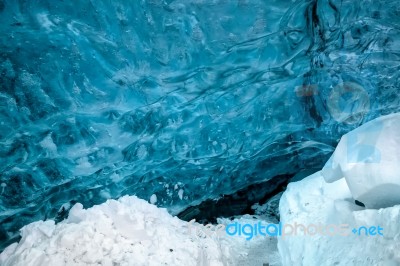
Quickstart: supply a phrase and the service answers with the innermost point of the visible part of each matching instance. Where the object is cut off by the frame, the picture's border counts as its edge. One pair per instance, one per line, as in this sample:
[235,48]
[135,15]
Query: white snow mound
[128,231]
[369,160]
[313,201]
[133,232]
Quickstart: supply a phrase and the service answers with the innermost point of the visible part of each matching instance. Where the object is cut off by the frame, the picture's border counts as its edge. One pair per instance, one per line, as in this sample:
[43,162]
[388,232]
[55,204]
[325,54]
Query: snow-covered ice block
[312,201]
[369,159]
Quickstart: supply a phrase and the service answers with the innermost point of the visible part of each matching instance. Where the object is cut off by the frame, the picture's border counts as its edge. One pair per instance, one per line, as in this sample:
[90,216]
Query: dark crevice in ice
[238,203]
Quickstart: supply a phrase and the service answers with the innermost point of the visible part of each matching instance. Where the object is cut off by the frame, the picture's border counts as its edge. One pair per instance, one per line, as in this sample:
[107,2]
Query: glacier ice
[368,158]
[186,100]
[332,204]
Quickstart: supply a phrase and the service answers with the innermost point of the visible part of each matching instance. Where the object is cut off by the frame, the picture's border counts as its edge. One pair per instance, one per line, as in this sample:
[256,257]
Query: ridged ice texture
[186,100]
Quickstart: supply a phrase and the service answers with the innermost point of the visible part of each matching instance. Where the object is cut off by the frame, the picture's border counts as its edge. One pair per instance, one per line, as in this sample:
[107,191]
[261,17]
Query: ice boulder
[369,160]
[337,231]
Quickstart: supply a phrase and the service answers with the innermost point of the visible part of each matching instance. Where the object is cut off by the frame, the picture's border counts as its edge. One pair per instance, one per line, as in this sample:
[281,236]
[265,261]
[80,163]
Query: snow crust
[130,231]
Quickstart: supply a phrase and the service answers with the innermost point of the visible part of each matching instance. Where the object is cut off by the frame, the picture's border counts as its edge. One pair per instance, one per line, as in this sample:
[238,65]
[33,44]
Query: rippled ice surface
[183,100]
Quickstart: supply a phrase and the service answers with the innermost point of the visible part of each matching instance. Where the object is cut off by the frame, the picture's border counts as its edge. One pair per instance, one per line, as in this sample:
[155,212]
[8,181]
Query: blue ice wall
[186,100]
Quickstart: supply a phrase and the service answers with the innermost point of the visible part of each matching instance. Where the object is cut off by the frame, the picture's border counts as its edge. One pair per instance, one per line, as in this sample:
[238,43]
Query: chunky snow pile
[369,159]
[130,231]
[329,214]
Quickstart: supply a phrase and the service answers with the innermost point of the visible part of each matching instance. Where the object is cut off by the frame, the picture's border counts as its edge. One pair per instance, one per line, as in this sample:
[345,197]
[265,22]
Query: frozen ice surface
[369,159]
[313,201]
